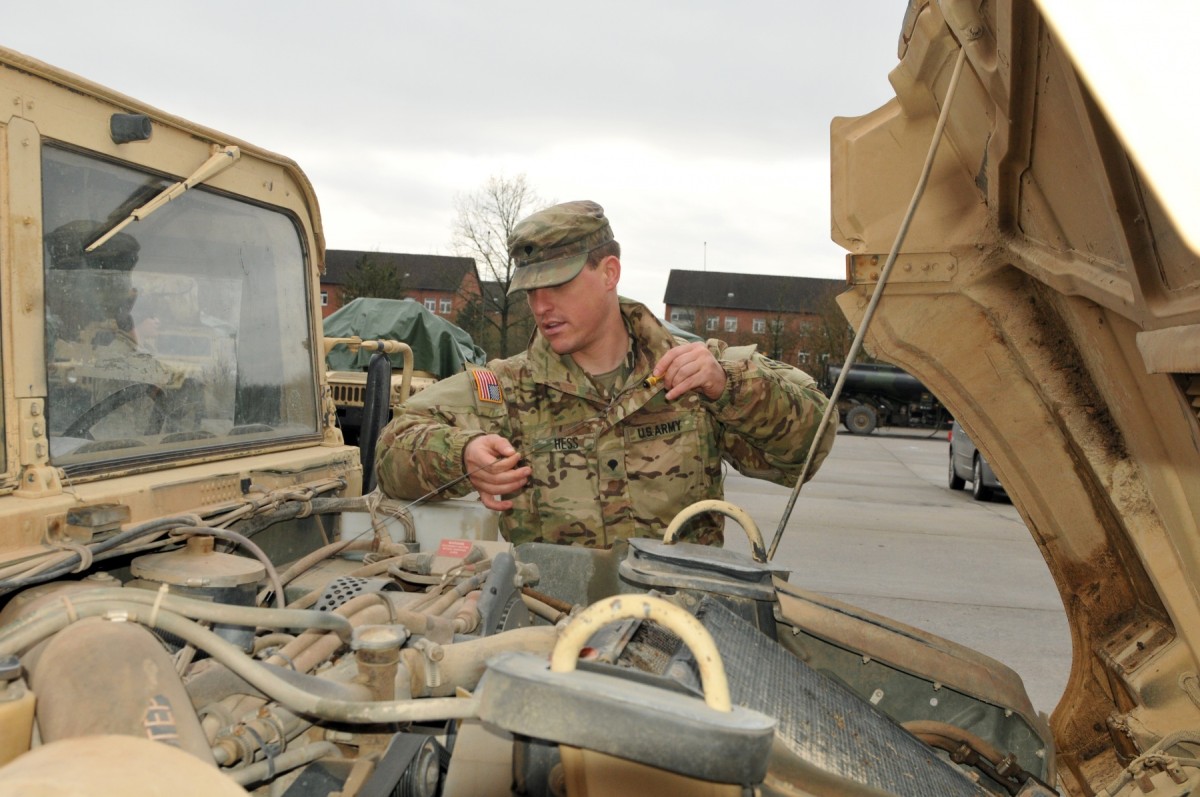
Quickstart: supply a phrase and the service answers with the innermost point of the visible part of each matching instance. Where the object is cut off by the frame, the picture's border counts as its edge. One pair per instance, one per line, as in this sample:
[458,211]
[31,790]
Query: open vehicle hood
[1048,294]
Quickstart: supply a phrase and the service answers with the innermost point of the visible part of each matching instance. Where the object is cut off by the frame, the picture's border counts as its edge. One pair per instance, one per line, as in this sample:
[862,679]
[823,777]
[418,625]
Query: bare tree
[828,335]
[485,219]
[782,336]
[373,278]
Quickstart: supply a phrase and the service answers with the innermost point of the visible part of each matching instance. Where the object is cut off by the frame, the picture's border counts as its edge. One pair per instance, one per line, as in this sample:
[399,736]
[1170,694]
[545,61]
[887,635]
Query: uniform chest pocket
[561,460]
[665,458]
[565,491]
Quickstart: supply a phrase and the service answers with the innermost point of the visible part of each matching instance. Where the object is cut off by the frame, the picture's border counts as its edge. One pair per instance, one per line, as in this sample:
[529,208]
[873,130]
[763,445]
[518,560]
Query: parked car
[968,465]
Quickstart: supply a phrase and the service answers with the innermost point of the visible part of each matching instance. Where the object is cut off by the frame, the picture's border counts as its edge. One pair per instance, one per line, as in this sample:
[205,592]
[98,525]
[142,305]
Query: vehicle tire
[955,481]
[861,419]
[979,490]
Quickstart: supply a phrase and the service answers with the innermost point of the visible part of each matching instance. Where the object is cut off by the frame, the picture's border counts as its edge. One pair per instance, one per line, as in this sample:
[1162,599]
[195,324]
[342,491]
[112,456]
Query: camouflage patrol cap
[551,246]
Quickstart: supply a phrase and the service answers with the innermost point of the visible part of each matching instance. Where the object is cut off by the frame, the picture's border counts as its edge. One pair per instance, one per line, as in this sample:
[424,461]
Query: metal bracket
[38,479]
[913,267]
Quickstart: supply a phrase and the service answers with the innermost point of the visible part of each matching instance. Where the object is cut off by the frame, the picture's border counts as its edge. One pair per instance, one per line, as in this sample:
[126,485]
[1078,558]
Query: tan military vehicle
[421,348]
[1048,291]
[197,600]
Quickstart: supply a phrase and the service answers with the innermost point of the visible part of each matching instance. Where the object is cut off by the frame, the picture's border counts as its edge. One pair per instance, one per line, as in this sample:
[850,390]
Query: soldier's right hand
[495,470]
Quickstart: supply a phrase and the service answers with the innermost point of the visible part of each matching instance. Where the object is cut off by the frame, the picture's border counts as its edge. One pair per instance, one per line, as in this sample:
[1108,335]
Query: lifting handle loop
[757,548]
[647,607]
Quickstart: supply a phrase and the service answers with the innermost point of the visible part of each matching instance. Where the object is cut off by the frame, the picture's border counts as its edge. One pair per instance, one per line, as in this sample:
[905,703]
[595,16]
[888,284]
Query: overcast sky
[701,126]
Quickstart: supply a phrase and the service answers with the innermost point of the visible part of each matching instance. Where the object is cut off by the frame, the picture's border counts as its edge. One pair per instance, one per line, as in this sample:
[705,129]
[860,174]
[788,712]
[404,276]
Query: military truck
[433,348]
[882,394]
[197,594]
[160,371]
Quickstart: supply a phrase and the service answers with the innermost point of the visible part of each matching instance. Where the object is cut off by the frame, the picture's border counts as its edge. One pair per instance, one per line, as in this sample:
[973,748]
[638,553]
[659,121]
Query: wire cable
[831,407]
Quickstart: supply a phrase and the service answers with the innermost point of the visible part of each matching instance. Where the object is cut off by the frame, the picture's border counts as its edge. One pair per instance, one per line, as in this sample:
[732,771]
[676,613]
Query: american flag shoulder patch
[487,387]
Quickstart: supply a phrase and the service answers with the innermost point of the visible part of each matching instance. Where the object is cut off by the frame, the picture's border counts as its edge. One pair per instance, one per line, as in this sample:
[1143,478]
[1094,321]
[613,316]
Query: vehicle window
[188,330]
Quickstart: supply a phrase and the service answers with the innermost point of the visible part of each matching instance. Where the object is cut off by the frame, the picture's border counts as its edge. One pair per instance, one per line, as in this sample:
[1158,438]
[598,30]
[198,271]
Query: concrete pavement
[878,528]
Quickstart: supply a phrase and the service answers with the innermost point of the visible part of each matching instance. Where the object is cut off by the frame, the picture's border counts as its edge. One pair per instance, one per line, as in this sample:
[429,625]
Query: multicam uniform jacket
[607,466]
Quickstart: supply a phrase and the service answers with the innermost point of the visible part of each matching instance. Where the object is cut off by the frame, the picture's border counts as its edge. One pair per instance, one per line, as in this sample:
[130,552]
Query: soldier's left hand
[691,367]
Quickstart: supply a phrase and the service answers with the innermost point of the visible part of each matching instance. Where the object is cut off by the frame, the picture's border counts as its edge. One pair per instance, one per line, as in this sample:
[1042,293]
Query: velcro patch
[487,387]
[663,426]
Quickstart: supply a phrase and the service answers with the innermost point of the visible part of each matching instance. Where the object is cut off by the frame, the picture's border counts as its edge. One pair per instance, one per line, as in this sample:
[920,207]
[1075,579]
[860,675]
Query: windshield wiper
[219,162]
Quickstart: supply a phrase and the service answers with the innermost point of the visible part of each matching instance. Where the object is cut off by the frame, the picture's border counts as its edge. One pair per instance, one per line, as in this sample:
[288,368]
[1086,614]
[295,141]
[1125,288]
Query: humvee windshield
[188,330]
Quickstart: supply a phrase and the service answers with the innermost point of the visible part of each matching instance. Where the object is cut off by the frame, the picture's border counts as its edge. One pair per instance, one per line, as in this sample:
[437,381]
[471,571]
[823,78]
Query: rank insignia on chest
[487,387]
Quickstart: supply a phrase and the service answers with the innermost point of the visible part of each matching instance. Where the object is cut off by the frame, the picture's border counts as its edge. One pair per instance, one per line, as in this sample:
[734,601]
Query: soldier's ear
[611,269]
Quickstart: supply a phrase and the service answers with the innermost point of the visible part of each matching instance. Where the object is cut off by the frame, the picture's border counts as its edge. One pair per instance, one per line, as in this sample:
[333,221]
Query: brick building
[789,318]
[443,284]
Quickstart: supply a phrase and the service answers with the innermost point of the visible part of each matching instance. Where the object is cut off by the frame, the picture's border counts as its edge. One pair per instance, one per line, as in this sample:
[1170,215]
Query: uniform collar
[649,340]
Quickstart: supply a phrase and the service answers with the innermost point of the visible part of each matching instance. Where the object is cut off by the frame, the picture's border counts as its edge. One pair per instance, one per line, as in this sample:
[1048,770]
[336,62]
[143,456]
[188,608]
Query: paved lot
[878,528]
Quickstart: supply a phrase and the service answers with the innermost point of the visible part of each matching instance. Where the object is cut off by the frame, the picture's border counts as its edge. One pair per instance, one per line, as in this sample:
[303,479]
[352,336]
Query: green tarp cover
[438,346]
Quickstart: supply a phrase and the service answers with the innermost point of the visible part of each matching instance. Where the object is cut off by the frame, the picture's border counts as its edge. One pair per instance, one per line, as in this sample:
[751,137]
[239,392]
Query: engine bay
[377,663]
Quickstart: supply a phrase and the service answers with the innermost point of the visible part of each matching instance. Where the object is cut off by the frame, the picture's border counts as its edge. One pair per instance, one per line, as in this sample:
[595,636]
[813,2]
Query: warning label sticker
[454,549]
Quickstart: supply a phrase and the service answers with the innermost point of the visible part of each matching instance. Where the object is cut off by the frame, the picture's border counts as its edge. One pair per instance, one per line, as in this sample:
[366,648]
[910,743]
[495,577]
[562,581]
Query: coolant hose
[383,611]
[272,641]
[284,762]
[257,675]
[293,697]
[310,649]
[444,602]
[29,630]
[930,731]
[462,664]
[246,543]
[366,571]
[305,563]
[543,610]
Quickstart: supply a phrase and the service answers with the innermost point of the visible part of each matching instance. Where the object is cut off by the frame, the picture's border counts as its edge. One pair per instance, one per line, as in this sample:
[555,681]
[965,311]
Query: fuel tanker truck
[879,394]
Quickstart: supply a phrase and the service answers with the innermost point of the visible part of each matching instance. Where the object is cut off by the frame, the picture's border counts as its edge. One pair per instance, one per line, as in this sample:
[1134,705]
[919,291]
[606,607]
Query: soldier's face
[574,317]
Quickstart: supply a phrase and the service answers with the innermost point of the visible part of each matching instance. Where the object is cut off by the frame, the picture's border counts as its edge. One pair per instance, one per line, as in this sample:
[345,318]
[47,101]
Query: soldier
[572,441]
